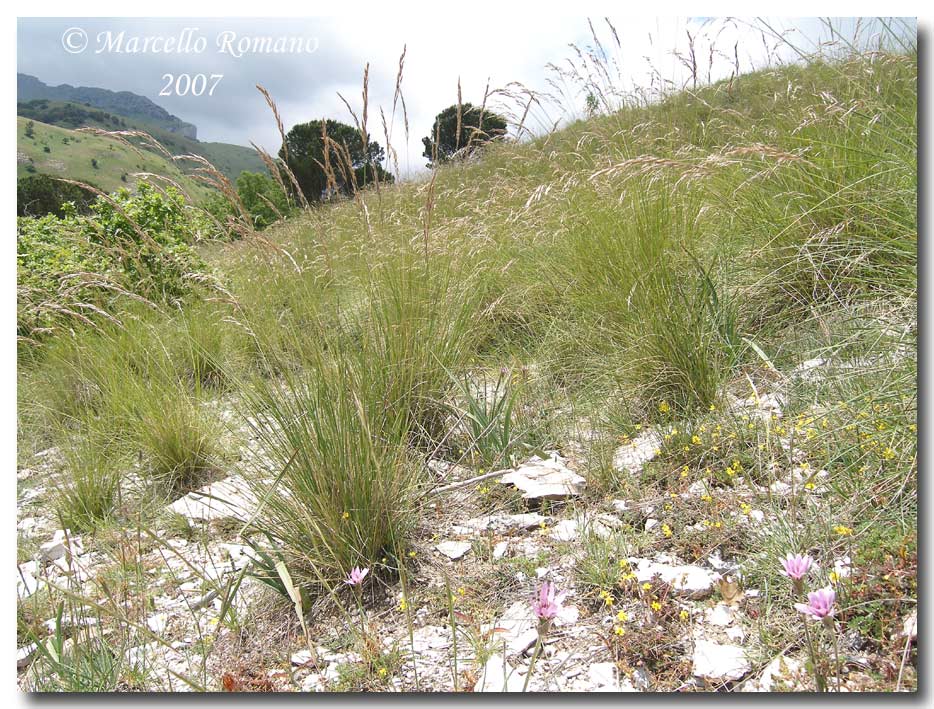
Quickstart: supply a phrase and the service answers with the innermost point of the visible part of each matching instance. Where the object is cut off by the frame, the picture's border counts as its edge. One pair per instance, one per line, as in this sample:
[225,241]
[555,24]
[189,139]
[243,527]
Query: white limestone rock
[26,583]
[685,580]
[453,550]
[633,456]
[781,673]
[719,662]
[61,542]
[565,531]
[517,628]
[549,479]
[910,626]
[500,523]
[498,676]
[228,498]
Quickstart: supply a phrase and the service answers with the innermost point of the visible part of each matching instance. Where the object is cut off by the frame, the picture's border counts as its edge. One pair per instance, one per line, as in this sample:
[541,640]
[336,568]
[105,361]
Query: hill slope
[229,159]
[95,160]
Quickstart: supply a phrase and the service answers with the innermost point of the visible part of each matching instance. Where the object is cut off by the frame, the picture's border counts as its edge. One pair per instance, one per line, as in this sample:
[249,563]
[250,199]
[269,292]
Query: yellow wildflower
[622,616]
[843,530]
[666,530]
[619,630]
[656,606]
[663,407]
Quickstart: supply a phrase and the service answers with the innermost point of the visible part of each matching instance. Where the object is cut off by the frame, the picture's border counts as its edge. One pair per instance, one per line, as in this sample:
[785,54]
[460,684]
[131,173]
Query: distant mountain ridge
[125,103]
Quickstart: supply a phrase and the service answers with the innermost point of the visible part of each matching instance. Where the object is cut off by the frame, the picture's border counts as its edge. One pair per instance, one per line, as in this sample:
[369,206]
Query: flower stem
[829,624]
[539,643]
[818,677]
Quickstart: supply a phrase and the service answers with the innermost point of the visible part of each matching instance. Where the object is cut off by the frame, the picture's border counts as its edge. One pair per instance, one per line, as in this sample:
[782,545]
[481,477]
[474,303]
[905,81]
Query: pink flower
[819,605]
[796,567]
[356,576]
[548,604]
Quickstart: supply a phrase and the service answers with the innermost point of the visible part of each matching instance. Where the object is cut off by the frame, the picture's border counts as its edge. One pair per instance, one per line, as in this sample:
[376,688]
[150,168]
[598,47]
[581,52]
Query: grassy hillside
[707,307]
[60,152]
[229,159]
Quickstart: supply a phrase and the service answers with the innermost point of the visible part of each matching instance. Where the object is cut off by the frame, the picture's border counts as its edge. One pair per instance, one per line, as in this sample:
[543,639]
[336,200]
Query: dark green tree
[476,128]
[304,153]
[38,195]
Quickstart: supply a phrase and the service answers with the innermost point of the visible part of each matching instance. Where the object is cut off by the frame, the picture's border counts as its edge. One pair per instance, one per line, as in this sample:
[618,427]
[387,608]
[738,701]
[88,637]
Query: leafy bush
[262,198]
[76,266]
[150,234]
[51,253]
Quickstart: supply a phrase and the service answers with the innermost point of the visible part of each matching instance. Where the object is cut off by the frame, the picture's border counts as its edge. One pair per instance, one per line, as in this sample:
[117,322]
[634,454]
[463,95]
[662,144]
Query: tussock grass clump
[90,491]
[419,324]
[340,487]
[177,438]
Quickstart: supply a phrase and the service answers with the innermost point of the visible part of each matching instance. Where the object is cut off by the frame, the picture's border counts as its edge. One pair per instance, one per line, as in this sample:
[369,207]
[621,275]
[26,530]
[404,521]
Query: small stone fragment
[550,479]
[713,661]
[453,550]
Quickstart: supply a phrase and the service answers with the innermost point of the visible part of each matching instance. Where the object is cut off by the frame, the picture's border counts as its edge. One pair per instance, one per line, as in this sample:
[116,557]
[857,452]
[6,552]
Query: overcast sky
[305,85]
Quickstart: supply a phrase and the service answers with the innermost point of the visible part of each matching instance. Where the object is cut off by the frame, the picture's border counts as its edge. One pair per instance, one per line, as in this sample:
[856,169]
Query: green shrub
[150,235]
[75,268]
[38,195]
[262,198]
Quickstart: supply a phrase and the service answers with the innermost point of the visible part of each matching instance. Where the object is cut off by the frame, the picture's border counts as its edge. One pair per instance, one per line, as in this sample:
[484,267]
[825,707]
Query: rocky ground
[193,616]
